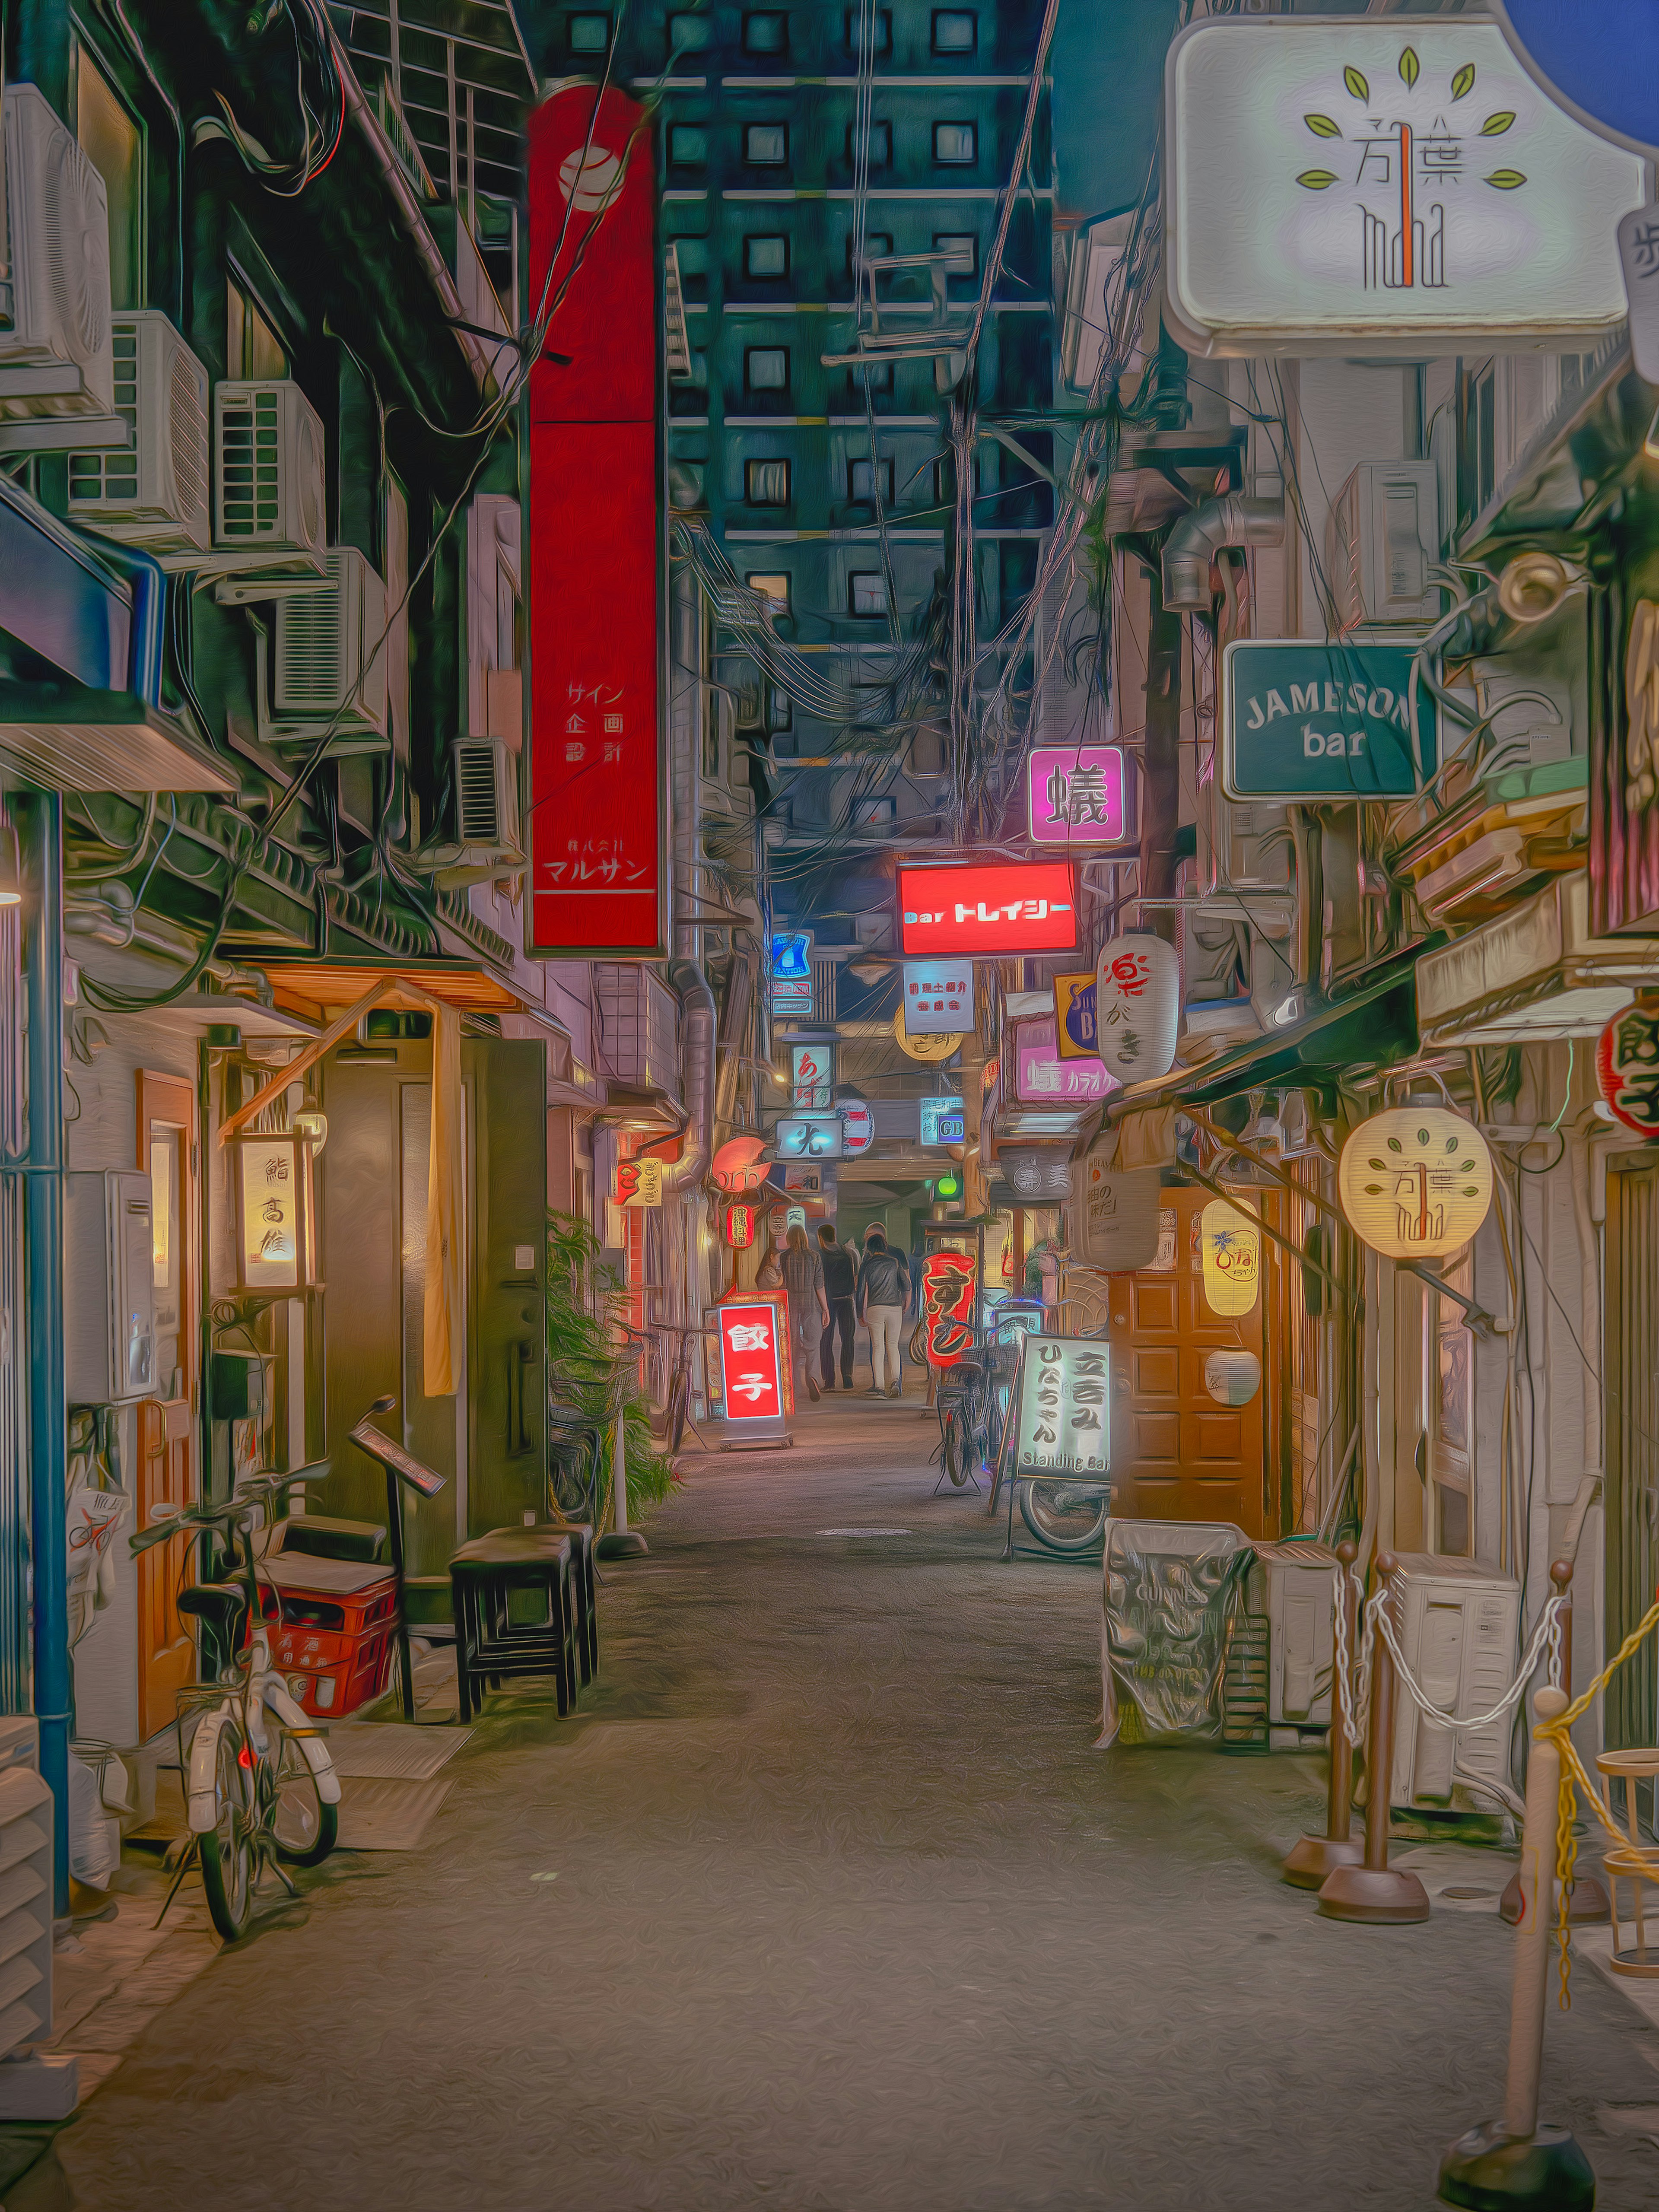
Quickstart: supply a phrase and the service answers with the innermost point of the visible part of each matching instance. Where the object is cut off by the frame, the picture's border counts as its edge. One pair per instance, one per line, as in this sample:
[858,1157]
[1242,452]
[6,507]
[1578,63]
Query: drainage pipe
[1237,518]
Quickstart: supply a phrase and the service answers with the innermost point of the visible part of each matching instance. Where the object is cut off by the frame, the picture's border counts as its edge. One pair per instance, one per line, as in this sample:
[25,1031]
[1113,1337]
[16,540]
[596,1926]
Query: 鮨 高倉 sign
[1064,1412]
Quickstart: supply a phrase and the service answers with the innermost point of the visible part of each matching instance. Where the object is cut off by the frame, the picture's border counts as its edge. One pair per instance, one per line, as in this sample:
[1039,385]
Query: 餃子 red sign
[947,1306]
[987,908]
[749,1362]
[596,832]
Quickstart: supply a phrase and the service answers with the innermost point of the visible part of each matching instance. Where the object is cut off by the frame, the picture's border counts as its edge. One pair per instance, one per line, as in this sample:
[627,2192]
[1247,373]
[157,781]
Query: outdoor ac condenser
[486,792]
[1382,539]
[330,652]
[269,495]
[55,358]
[1459,1629]
[1291,1584]
[157,493]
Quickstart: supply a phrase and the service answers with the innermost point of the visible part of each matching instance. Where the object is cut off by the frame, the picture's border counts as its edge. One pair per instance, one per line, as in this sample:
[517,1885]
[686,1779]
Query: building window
[766,483]
[881,31]
[687,146]
[863,478]
[589,35]
[766,145]
[956,31]
[867,593]
[961,247]
[688,34]
[253,349]
[881,146]
[878,245]
[772,586]
[765,33]
[115,144]
[954,141]
[766,256]
[766,368]
[778,715]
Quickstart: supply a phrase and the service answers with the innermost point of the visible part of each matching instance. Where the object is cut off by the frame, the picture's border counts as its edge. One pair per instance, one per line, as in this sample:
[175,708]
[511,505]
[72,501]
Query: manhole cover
[1469,1896]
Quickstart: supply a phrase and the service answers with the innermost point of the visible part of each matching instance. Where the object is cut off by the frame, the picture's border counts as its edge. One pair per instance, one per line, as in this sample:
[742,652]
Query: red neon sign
[988,908]
[596,830]
[749,1361]
[947,1304]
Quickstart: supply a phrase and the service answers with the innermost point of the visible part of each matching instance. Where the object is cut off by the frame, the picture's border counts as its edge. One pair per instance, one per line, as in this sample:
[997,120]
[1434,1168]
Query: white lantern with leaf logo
[1415,1182]
[1231,1258]
[1137,1007]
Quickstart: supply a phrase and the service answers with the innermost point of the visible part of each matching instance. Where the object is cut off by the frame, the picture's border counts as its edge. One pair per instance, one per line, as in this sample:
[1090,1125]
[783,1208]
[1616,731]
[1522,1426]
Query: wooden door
[167,1425]
[1631,1416]
[1177,1454]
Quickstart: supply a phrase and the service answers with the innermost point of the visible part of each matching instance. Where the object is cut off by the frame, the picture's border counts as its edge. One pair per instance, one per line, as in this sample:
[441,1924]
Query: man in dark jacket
[884,1292]
[840,1285]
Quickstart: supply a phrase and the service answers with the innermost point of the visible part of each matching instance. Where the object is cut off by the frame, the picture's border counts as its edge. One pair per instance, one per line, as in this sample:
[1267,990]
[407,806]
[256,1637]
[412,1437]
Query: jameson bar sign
[1305,719]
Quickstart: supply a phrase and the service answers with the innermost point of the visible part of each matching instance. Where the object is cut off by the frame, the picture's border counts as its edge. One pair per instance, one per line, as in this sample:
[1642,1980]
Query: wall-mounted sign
[1304,719]
[858,1127]
[1350,186]
[940,1121]
[790,966]
[1627,1066]
[939,997]
[275,1212]
[990,908]
[1415,1182]
[1041,1076]
[750,1382]
[1036,1177]
[1600,63]
[931,1048]
[737,1165]
[1120,1215]
[947,1305]
[1062,1426]
[809,1137]
[639,1182]
[1074,1016]
[1230,1249]
[811,1077]
[1074,795]
[1137,1007]
[739,1225]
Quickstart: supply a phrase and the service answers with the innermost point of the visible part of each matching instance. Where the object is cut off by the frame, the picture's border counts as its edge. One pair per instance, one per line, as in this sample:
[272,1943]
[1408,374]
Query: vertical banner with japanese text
[1063,1422]
[596,832]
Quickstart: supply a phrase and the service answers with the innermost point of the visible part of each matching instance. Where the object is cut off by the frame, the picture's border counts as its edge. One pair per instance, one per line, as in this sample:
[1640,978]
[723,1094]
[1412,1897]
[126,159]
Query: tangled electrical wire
[318,94]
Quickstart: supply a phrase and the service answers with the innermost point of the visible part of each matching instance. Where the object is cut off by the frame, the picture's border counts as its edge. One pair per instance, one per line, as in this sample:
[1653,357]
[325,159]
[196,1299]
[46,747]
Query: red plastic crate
[338,1623]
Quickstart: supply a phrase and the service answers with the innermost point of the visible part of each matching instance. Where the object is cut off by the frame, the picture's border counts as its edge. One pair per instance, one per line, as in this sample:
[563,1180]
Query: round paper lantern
[1137,1007]
[1415,1182]
[1231,1249]
[1627,1066]
[1232,1378]
[858,1126]
[737,1165]
[927,1046]
[740,1225]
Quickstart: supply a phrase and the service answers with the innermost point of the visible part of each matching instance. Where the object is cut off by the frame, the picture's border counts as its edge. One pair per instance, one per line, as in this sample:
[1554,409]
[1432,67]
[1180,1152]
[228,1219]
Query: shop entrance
[166,1424]
[1177,1454]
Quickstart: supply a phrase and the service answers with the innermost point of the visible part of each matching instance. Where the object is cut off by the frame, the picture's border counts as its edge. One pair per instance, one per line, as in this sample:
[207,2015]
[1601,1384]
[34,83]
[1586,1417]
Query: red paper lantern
[1627,1065]
[740,1226]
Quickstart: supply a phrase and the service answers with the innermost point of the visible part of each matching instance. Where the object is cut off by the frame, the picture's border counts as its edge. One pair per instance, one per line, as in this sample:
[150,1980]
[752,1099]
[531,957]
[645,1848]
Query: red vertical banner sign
[598,869]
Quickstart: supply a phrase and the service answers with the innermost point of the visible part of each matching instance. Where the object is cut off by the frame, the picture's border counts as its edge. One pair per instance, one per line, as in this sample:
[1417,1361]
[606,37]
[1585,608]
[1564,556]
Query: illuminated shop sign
[1074,795]
[989,908]
[942,1121]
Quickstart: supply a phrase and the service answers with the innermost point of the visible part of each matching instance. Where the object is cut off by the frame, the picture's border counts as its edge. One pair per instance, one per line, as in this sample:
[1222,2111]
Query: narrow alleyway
[848,1916]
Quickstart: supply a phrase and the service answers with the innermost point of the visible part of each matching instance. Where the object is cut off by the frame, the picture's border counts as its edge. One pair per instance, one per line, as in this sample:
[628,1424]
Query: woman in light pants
[886,1328]
[883,1289]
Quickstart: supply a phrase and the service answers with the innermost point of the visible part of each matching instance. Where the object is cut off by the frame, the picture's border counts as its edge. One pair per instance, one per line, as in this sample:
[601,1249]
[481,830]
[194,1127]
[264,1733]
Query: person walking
[841,1268]
[809,1313]
[884,1291]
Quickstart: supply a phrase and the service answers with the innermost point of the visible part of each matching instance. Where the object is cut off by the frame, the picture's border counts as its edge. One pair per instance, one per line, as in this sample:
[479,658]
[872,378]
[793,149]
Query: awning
[313,987]
[1533,976]
[80,704]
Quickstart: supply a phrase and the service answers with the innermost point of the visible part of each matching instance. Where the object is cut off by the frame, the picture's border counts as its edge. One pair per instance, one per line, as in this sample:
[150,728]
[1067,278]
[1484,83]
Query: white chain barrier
[1451,1723]
[1352,1675]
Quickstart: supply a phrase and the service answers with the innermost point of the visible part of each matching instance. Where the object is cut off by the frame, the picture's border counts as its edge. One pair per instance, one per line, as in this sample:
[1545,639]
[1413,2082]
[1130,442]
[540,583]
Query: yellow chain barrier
[1574,1778]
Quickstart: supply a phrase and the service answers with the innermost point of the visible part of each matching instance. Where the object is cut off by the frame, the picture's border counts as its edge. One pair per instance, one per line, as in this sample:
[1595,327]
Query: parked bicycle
[261,1786]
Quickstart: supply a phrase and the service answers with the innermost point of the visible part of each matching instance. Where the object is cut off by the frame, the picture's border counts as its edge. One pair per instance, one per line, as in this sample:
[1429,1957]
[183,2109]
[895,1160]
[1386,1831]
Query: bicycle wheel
[957,1446]
[1066,1516]
[303,1829]
[227,1848]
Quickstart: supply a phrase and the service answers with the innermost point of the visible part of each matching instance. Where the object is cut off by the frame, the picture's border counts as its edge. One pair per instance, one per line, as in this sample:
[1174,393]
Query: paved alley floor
[826,1903]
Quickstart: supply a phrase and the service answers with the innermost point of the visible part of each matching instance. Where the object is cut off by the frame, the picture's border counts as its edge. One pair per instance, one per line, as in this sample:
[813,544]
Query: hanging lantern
[1231,1250]
[1137,1007]
[738,1166]
[740,1225]
[1232,1378]
[1627,1066]
[276,1215]
[1415,1182]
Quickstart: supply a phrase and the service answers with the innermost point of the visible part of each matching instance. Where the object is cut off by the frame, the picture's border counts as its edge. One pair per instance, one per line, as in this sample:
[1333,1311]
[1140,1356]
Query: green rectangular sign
[1302,719]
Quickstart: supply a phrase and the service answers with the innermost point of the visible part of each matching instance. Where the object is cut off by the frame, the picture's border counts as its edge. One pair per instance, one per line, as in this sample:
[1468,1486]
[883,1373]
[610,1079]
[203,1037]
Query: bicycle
[261,1784]
[968,1416]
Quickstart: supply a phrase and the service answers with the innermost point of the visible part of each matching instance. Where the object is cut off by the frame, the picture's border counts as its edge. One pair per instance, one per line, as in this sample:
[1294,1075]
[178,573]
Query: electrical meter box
[109,1287]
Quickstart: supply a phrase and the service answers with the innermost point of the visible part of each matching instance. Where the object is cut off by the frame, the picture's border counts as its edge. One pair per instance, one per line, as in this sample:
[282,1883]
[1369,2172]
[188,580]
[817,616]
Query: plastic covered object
[1170,1588]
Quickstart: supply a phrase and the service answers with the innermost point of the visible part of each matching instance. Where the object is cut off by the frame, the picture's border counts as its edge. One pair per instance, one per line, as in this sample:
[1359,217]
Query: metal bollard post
[1588,1901]
[1374,1891]
[620,1541]
[1513,2161]
[1315,1857]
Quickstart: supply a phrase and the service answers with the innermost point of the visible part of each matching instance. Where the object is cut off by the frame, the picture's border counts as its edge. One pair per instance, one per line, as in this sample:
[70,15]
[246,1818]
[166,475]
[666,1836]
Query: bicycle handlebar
[255,1492]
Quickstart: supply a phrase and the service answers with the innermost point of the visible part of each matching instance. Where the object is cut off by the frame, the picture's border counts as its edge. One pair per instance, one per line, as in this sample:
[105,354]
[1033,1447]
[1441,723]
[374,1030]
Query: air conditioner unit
[46,2082]
[269,491]
[157,493]
[1292,1584]
[1459,1627]
[486,792]
[1382,539]
[55,358]
[331,650]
